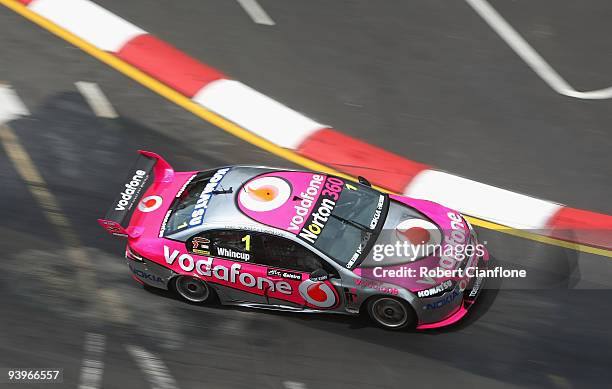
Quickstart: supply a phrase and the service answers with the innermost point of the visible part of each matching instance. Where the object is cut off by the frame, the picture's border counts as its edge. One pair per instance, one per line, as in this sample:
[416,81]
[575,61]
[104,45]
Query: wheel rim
[389,312]
[192,289]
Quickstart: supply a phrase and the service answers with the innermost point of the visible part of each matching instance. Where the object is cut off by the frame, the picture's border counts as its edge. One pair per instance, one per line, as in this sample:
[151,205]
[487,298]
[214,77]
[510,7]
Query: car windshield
[354,224]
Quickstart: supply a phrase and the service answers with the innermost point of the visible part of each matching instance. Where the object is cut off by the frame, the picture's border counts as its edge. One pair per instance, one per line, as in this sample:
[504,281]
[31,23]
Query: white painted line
[93,364]
[256,13]
[96,99]
[530,56]
[154,369]
[294,385]
[11,106]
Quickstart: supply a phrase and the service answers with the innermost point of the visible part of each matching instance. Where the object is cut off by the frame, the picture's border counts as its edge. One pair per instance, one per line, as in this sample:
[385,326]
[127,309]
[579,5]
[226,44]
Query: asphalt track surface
[430,74]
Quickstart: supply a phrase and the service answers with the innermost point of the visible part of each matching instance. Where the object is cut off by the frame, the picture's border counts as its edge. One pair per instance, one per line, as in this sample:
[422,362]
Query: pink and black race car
[296,241]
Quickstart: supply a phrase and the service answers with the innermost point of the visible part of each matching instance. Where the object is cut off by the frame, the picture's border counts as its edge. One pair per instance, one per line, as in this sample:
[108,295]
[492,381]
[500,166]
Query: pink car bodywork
[147,222]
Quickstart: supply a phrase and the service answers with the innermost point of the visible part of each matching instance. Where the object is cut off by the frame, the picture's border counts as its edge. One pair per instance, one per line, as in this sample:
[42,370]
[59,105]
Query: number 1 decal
[247,242]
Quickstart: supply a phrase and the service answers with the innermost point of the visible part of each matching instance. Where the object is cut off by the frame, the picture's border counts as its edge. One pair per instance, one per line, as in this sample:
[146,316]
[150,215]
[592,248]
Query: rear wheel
[192,289]
[391,313]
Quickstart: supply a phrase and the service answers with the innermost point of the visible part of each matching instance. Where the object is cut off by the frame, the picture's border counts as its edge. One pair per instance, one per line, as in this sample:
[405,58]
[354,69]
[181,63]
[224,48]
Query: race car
[296,241]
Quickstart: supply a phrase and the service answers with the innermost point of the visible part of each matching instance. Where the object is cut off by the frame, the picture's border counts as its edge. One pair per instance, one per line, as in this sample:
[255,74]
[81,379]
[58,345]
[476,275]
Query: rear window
[189,207]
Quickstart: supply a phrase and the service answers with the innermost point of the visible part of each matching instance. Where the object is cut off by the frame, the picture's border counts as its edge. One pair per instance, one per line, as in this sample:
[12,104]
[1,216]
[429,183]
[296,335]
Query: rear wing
[135,185]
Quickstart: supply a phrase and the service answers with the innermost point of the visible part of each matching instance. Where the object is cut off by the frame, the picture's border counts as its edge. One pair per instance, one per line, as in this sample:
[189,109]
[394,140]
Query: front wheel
[192,289]
[391,313]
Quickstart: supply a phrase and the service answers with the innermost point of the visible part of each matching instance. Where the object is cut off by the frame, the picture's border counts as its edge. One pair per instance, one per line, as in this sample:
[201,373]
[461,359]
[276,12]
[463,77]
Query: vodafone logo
[264,194]
[418,232]
[317,293]
[150,204]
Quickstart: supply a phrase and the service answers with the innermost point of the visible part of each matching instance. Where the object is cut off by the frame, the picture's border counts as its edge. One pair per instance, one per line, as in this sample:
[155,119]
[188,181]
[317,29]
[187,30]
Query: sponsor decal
[317,293]
[229,253]
[418,232]
[435,290]
[233,274]
[146,276]
[306,199]
[365,238]
[264,194]
[476,286]
[370,284]
[114,228]
[150,203]
[377,213]
[132,189]
[180,192]
[284,274]
[456,237]
[457,234]
[444,301]
[324,208]
[162,229]
[253,229]
[200,245]
[197,216]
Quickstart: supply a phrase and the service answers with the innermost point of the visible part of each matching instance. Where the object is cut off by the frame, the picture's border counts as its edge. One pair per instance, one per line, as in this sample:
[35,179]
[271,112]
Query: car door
[290,262]
[232,268]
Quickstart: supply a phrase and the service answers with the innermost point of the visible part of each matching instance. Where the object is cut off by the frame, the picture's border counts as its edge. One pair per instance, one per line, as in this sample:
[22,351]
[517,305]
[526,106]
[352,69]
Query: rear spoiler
[134,187]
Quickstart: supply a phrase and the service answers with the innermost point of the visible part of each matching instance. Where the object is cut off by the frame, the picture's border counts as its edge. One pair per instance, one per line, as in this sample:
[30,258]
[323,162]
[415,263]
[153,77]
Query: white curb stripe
[483,201]
[257,113]
[89,22]
[11,106]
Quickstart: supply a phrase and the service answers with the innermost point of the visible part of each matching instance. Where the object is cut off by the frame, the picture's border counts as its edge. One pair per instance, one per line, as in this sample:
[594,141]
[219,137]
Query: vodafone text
[307,199]
[233,274]
[130,190]
[326,204]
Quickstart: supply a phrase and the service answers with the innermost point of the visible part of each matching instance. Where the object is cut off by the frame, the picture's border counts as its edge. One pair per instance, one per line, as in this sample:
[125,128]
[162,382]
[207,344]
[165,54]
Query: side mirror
[319,275]
[364,181]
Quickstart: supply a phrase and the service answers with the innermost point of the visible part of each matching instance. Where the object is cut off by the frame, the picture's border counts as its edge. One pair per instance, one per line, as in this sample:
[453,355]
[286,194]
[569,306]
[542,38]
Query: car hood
[408,223]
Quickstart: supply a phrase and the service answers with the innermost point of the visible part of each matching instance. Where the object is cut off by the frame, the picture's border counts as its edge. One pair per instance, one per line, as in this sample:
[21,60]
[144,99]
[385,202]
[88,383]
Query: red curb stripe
[168,64]
[358,158]
[25,2]
[578,225]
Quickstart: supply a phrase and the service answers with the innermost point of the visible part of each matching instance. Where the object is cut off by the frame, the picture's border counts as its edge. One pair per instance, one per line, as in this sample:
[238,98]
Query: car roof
[222,210]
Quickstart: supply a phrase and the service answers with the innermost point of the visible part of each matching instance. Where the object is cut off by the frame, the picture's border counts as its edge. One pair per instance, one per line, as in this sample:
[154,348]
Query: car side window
[237,245]
[286,254]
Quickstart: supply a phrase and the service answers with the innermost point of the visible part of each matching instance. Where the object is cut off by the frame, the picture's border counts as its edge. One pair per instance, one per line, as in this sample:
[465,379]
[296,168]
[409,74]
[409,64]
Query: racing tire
[193,289]
[391,313]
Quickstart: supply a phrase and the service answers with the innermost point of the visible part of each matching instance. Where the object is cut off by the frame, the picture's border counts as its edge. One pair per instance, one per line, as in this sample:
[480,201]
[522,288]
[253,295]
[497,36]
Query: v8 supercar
[295,241]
